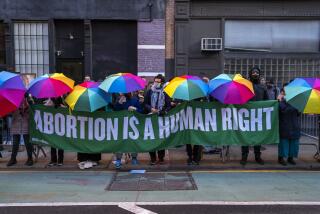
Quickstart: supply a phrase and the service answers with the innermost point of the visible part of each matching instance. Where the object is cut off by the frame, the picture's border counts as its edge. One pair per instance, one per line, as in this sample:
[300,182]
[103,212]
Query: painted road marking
[235,203]
[132,207]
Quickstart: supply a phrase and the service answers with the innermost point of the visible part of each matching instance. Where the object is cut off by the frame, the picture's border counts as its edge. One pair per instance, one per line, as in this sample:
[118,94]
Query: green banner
[193,122]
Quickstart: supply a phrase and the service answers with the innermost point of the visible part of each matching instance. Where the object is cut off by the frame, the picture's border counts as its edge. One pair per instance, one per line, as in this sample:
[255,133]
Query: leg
[244,152]
[29,149]
[196,153]
[283,148]
[119,156]
[293,148]
[134,160]
[189,153]
[153,158]
[118,161]
[161,154]
[60,156]
[15,148]
[257,154]
[53,152]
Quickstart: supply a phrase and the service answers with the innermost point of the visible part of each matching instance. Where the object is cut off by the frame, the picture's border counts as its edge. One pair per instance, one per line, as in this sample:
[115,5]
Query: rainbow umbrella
[231,89]
[304,95]
[186,88]
[50,85]
[12,92]
[122,83]
[87,97]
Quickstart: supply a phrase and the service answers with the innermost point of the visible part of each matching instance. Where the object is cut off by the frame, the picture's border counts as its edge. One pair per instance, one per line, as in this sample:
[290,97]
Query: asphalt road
[166,209]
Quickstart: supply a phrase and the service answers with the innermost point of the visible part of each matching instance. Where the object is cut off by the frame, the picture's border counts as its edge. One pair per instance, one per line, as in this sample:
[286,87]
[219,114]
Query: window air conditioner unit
[211,44]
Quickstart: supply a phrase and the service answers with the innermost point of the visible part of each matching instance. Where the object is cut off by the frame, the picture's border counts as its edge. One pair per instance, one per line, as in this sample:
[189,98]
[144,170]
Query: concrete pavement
[176,160]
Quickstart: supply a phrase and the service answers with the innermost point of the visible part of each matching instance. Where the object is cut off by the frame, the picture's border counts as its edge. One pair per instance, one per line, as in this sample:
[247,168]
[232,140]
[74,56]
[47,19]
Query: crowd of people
[153,100]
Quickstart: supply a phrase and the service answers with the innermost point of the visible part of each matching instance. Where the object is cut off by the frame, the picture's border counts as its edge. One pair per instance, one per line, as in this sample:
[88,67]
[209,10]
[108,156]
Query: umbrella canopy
[122,83]
[231,89]
[50,85]
[87,97]
[12,92]
[304,95]
[186,88]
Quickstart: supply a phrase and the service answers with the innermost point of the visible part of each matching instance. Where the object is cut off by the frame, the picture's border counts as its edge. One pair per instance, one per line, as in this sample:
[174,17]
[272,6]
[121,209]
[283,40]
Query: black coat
[147,102]
[289,121]
[260,92]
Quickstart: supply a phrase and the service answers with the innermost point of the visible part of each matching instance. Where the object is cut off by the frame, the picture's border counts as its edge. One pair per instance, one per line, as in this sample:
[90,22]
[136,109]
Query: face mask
[157,84]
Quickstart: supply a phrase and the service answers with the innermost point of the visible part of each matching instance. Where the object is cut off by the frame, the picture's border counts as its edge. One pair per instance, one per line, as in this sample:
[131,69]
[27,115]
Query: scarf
[157,98]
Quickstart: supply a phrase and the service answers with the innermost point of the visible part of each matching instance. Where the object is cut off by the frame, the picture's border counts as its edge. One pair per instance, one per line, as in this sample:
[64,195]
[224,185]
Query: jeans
[119,155]
[288,148]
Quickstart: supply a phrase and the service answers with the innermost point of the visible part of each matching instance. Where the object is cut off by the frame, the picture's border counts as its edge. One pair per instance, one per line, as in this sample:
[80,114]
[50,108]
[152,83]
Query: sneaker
[52,164]
[282,161]
[195,163]
[12,162]
[134,161]
[60,164]
[259,160]
[118,164]
[95,163]
[291,161]
[29,162]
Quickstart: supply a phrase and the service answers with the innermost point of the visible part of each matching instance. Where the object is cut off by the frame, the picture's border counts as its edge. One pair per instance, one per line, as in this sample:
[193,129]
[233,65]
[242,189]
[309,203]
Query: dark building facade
[280,36]
[277,35]
[83,37]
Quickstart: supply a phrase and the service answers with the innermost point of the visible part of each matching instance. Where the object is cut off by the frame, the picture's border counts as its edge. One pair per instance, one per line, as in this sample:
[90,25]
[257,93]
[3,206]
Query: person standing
[157,102]
[260,94]
[130,103]
[20,126]
[94,158]
[57,155]
[290,131]
[272,90]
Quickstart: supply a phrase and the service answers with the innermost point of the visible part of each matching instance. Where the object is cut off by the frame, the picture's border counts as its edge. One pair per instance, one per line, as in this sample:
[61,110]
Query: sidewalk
[176,160]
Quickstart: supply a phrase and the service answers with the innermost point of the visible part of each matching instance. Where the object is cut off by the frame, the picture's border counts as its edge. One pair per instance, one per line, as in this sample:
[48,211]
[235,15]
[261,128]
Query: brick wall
[151,51]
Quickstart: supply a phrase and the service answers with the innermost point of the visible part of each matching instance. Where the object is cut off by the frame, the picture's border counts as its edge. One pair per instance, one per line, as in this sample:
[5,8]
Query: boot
[291,161]
[12,162]
[282,161]
[244,159]
[29,162]
[259,160]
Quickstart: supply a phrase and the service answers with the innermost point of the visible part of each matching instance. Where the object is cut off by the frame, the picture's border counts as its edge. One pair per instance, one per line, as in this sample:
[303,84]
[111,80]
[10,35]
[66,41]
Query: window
[272,36]
[31,47]
[2,45]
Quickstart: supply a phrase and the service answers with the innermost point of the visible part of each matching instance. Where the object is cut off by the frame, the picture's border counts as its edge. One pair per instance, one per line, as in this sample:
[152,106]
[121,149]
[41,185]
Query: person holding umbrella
[20,126]
[260,93]
[157,102]
[290,131]
[131,103]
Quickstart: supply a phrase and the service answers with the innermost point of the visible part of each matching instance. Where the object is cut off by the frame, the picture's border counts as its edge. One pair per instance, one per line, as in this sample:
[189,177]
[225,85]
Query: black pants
[54,158]
[16,143]
[245,151]
[161,154]
[91,157]
[193,152]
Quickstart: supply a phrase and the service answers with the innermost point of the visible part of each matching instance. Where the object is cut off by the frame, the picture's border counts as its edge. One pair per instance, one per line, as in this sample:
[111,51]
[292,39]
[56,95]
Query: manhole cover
[153,181]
